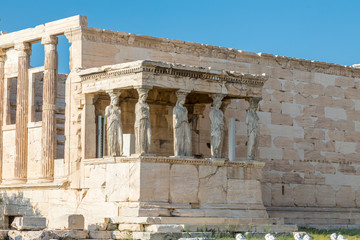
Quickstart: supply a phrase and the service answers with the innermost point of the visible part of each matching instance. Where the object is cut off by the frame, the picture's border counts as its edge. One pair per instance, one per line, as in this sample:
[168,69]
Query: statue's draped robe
[114,130]
[182,134]
[142,128]
[253,132]
[217,132]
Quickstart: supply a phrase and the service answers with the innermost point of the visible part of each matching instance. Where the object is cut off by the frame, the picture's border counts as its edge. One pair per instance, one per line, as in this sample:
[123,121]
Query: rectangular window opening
[100,136]
[12,95]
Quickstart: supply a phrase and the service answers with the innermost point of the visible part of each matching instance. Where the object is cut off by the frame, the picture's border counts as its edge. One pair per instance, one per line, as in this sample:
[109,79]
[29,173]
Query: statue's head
[217,100]
[181,97]
[254,102]
[143,94]
[114,97]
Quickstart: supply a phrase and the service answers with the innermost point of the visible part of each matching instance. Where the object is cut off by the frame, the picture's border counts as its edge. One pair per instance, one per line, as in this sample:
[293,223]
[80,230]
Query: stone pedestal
[24,52]
[48,146]
[158,192]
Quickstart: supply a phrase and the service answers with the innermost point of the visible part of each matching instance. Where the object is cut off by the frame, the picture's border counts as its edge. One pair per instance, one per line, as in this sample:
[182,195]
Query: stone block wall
[310,114]
[164,187]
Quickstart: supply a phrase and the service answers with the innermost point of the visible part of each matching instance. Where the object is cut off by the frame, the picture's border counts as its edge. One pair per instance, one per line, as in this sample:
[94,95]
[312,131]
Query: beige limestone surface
[309,121]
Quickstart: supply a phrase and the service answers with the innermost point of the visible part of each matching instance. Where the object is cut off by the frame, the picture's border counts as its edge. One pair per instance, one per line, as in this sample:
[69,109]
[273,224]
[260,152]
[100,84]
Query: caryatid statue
[182,134]
[142,123]
[114,126]
[252,121]
[217,126]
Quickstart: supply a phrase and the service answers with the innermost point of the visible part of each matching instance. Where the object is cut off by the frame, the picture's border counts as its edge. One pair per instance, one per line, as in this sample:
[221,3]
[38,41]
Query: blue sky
[310,29]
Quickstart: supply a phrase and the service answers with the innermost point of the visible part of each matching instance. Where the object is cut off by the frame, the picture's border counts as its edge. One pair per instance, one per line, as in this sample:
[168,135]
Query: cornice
[174,160]
[176,70]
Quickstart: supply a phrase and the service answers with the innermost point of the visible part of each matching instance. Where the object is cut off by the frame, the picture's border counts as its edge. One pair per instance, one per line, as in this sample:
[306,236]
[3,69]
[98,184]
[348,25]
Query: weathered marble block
[29,223]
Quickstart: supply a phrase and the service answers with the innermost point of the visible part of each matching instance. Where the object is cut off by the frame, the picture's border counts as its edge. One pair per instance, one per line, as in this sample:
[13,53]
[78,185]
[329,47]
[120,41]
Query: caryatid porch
[177,95]
[164,106]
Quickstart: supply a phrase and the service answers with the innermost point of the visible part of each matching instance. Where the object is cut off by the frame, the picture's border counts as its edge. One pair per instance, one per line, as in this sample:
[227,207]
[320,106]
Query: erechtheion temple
[156,135]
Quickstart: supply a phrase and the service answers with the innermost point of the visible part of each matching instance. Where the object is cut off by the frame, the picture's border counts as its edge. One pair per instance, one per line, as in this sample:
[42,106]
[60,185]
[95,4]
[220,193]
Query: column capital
[49,39]
[225,104]
[182,93]
[254,102]
[115,91]
[143,87]
[87,99]
[22,46]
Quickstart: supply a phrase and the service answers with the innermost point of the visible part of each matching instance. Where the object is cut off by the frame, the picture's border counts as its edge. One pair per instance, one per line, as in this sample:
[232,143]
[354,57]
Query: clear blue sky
[323,30]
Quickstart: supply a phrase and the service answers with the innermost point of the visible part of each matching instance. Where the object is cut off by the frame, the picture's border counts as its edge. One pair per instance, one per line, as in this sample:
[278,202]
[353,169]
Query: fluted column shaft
[2,65]
[24,52]
[48,149]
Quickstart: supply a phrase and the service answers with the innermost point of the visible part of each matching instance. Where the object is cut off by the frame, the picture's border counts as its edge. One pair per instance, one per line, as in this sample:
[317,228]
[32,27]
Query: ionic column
[24,52]
[253,131]
[2,65]
[48,144]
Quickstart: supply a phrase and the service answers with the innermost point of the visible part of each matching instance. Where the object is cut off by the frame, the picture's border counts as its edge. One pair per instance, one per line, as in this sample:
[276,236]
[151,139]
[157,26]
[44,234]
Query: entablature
[171,76]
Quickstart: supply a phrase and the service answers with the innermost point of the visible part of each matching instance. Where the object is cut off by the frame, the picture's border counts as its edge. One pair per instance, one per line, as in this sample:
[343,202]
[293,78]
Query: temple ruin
[152,134]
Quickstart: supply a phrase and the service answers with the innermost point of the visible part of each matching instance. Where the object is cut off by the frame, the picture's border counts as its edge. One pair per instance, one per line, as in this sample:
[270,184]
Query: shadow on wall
[14,205]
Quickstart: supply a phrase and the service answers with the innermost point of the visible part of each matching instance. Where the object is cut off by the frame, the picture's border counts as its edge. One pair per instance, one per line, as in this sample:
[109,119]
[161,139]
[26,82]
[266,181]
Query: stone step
[159,235]
[250,227]
[220,213]
[334,226]
[327,221]
[194,220]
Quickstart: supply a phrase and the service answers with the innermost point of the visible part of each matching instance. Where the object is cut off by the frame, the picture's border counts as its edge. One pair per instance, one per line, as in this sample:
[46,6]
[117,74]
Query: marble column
[88,128]
[142,123]
[114,133]
[181,127]
[253,131]
[48,144]
[2,65]
[217,126]
[24,52]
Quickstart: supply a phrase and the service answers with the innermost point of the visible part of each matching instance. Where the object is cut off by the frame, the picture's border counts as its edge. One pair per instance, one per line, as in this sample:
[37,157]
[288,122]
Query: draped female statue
[217,126]
[252,120]
[113,126]
[142,123]
[182,134]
